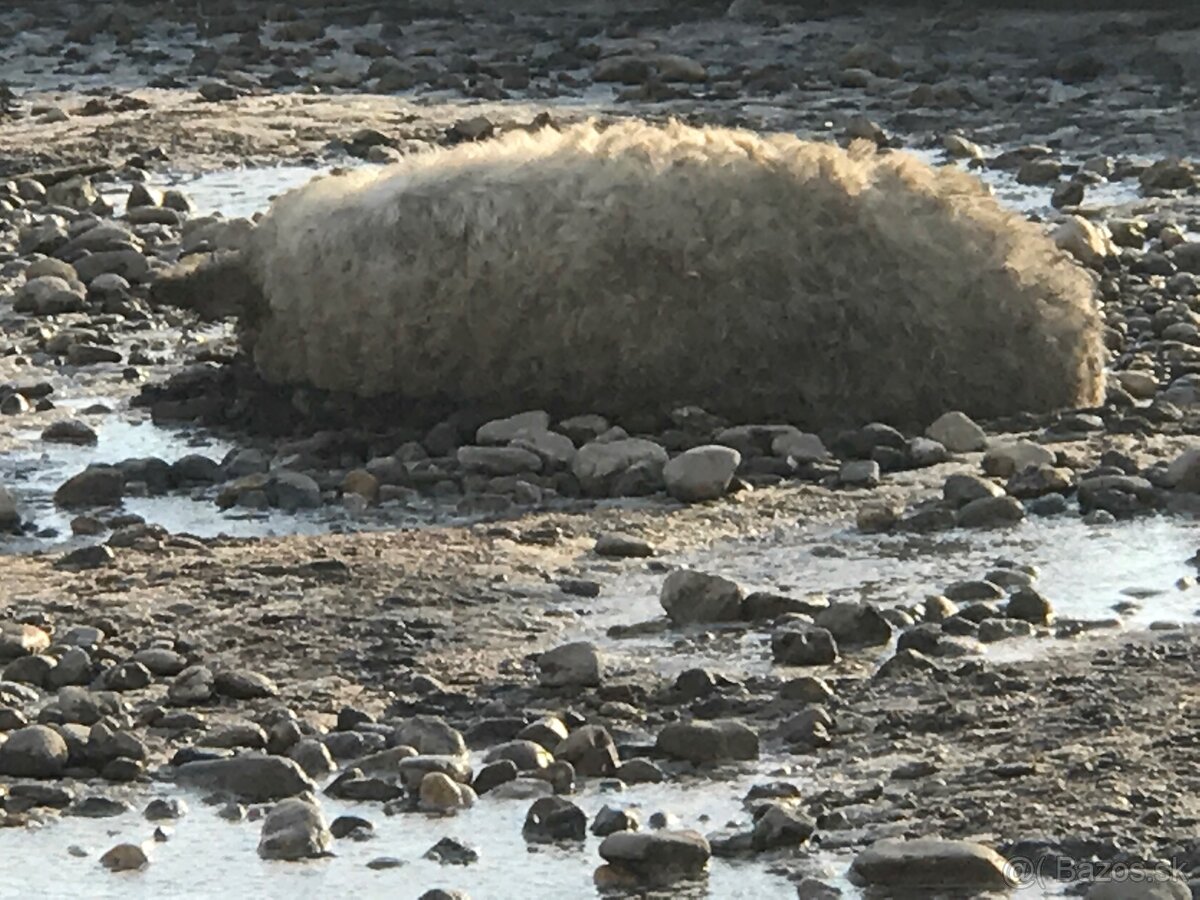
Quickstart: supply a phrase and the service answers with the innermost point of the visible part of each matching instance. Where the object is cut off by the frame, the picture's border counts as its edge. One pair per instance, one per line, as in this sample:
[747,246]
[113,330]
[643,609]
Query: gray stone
[21,640]
[162,809]
[591,750]
[799,447]
[161,661]
[10,516]
[860,473]
[234,735]
[499,432]
[958,433]
[127,676]
[252,777]
[452,852]
[312,756]
[610,820]
[1002,460]
[799,646]
[690,597]
[657,858]
[69,431]
[291,491]
[622,546]
[244,684]
[854,624]
[129,264]
[577,664]
[640,771]
[441,794]
[36,794]
[494,774]
[527,755]
[498,460]
[192,686]
[776,827]
[85,354]
[1037,481]
[991,512]
[294,829]
[1146,885]
[960,489]
[35,751]
[49,295]
[600,465]
[1030,606]
[74,668]
[94,486]
[702,473]
[413,769]
[700,742]
[1183,473]
[930,864]
[556,450]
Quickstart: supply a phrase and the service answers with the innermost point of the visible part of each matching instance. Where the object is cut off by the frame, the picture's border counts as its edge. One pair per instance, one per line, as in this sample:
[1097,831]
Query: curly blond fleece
[631,268]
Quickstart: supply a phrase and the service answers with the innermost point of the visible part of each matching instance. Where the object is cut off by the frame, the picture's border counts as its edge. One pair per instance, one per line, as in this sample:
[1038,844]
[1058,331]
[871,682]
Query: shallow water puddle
[231,192]
[1085,571]
[507,866]
[37,469]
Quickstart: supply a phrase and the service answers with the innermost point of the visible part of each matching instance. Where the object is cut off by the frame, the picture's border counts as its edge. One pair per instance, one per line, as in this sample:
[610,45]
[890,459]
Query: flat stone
[702,742]
[930,864]
[252,777]
[657,858]
[498,460]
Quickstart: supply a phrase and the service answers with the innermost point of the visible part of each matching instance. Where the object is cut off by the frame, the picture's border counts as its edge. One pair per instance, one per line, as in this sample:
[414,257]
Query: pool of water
[1085,571]
[34,469]
[207,857]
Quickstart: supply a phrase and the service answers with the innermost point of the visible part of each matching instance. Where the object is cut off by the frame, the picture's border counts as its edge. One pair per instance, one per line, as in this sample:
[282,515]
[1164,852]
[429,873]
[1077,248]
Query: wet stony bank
[537,640]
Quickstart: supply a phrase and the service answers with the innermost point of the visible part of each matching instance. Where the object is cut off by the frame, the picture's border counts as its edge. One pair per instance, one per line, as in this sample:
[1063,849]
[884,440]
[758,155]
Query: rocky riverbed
[330,645]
